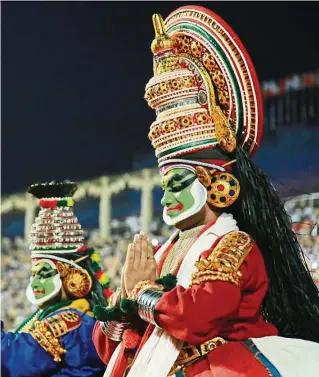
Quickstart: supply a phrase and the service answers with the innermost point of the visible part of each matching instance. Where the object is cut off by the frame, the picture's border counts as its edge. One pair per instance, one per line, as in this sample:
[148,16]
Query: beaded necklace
[179,250]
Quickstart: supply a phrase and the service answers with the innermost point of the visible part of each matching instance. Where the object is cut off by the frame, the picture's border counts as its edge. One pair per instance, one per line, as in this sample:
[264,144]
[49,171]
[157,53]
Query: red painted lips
[178,207]
[36,293]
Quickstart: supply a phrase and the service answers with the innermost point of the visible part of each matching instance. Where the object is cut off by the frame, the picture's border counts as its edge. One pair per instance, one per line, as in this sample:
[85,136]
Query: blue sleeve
[20,355]
[81,359]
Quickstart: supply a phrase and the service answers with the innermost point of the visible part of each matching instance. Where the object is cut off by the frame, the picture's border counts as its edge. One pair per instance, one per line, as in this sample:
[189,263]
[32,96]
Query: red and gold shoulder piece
[225,259]
[47,332]
[63,322]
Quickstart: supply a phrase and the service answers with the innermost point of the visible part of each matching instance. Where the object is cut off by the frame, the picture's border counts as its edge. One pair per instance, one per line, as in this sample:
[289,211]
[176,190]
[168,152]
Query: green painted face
[178,198]
[42,280]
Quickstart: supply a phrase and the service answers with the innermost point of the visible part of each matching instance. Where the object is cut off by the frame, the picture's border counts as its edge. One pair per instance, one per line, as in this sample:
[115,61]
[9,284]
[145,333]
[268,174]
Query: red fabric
[121,363]
[221,308]
[146,335]
[229,360]
[214,308]
[156,248]
[131,338]
[104,346]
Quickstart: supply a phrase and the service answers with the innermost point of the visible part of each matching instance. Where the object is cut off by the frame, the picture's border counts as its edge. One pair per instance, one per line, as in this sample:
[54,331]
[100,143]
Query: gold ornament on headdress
[62,269]
[183,91]
[162,41]
[224,134]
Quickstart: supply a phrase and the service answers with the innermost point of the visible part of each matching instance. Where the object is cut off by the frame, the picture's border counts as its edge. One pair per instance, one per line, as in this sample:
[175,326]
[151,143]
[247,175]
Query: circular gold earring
[222,187]
[77,283]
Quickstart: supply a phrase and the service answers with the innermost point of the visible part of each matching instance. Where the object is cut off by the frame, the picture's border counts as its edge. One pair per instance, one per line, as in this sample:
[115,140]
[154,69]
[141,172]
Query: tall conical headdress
[57,235]
[205,90]
[56,230]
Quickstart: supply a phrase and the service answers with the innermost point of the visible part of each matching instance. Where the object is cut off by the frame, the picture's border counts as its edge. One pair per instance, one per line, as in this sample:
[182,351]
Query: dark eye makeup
[182,185]
[175,184]
[46,272]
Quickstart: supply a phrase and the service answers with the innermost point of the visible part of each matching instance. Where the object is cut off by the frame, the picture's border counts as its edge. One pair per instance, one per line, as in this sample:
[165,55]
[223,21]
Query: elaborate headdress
[204,90]
[209,119]
[57,238]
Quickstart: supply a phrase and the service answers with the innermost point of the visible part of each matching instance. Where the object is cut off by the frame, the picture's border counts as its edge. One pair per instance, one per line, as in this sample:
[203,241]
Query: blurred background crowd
[15,258]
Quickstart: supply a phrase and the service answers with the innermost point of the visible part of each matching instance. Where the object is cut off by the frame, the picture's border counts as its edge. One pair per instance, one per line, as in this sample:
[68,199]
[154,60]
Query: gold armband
[144,285]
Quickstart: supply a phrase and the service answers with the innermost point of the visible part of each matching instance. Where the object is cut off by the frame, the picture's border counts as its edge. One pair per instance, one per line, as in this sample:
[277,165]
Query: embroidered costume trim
[191,353]
[270,368]
[225,260]
[48,331]
[144,285]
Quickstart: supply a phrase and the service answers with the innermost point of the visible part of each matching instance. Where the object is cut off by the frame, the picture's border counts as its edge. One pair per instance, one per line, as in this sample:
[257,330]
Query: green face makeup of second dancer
[42,281]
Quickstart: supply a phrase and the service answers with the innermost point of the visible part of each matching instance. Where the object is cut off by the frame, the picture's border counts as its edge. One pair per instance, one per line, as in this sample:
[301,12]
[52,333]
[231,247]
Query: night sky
[73,78]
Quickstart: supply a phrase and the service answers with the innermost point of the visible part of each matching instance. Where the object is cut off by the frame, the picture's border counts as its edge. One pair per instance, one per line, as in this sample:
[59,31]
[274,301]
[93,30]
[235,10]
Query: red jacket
[209,309]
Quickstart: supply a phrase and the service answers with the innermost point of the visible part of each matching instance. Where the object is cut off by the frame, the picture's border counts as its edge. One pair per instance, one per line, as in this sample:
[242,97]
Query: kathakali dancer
[244,304]
[66,281]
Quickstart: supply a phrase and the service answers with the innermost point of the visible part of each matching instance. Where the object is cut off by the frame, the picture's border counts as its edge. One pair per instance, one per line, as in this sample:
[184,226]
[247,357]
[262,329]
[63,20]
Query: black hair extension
[292,301]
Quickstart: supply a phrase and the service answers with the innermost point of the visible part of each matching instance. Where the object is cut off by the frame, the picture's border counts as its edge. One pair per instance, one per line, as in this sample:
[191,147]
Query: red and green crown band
[54,203]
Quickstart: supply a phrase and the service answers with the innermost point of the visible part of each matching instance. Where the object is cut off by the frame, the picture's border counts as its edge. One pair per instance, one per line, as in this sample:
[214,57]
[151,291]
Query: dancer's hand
[123,289]
[140,263]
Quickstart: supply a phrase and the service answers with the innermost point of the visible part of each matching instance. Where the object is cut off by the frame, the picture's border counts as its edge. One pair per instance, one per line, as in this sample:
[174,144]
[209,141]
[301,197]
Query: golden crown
[198,88]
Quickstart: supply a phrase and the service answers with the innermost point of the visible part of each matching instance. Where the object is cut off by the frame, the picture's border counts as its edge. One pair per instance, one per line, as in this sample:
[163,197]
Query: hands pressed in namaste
[140,263]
